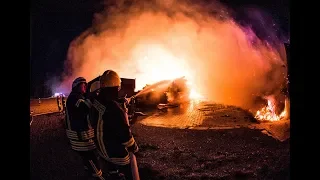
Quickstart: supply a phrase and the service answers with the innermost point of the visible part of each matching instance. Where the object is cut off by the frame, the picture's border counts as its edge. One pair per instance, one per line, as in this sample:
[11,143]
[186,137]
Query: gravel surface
[169,153]
[211,154]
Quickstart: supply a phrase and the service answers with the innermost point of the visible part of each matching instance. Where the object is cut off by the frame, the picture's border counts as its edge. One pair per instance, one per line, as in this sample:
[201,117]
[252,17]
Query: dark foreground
[165,153]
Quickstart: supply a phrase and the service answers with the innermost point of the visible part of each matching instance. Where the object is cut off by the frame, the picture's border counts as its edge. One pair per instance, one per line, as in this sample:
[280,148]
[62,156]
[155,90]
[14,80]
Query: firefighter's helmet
[77,81]
[110,79]
[95,86]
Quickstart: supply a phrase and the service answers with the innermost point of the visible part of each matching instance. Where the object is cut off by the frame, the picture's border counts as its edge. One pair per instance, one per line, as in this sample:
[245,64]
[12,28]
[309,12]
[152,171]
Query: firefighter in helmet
[63,100]
[79,130]
[58,103]
[94,90]
[113,134]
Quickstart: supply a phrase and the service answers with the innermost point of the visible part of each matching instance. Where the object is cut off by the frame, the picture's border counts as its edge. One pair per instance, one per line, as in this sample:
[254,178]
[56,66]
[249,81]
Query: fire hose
[130,103]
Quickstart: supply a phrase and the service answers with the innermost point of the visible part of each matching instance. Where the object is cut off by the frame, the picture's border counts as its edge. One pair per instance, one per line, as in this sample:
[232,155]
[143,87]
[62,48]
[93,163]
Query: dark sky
[54,23]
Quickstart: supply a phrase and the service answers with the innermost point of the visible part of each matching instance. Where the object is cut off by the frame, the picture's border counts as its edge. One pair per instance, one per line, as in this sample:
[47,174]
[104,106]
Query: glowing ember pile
[268,113]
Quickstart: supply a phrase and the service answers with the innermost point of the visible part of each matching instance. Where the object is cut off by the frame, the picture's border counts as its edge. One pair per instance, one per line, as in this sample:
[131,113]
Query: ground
[195,141]
[44,106]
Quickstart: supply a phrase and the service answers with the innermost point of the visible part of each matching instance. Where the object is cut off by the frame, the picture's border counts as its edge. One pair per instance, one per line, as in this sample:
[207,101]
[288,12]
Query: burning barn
[167,91]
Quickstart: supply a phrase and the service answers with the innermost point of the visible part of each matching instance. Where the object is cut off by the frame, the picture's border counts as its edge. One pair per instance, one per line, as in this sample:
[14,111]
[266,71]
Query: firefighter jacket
[113,135]
[78,127]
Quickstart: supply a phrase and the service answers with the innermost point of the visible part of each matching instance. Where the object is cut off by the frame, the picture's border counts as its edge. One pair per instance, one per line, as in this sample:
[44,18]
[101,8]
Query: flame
[268,113]
[193,95]
[158,63]
[225,60]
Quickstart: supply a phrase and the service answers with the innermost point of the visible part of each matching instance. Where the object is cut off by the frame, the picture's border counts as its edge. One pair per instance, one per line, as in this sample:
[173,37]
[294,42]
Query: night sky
[54,23]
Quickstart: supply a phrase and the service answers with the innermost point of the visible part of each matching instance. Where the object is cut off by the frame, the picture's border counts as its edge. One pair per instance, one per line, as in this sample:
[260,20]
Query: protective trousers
[124,169]
[91,164]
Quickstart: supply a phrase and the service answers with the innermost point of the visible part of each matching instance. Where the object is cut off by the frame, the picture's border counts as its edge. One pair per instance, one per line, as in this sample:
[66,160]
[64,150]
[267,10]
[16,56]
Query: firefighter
[31,117]
[94,89]
[79,130]
[114,139]
[63,99]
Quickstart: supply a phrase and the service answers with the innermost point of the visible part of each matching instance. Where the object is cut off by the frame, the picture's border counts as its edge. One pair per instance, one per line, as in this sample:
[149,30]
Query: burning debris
[168,93]
[268,113]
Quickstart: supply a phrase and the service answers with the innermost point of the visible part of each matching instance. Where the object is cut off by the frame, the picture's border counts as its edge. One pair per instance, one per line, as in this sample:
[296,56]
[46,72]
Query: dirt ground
[245,152]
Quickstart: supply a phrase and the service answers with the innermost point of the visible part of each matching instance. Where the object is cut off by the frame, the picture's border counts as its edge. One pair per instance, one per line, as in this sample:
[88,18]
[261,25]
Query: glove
[124,100]
[134,148]
[127,100]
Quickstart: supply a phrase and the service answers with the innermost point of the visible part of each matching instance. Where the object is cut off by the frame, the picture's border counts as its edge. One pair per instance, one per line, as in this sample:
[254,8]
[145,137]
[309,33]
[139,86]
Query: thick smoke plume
[156,40]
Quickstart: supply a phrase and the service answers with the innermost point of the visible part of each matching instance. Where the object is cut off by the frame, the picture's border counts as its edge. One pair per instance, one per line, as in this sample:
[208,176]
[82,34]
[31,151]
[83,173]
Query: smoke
[227,61]
[53,83]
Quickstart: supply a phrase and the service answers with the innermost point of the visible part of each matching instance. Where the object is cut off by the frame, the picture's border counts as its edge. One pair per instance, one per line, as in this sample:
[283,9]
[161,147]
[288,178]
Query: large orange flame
[159,64]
